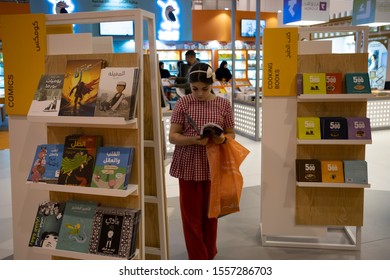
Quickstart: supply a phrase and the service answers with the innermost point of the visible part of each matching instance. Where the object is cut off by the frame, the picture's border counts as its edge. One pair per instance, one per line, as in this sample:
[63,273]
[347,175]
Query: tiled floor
[239,234]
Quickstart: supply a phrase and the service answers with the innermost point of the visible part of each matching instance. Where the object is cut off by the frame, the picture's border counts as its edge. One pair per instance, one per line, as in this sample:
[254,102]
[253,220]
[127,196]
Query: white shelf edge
[333,142]
[84,121]
[76,255]
[334,97]
[333,185]
[131,189]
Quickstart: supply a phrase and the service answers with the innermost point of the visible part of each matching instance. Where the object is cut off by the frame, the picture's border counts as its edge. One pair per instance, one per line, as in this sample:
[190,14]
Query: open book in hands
[209,129]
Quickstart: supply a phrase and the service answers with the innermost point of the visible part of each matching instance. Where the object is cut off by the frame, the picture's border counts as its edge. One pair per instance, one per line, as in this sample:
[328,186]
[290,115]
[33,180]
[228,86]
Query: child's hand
[219,139]
[202,141]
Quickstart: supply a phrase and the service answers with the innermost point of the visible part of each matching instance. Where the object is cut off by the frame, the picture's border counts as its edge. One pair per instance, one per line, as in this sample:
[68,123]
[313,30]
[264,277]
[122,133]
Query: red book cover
[334,83]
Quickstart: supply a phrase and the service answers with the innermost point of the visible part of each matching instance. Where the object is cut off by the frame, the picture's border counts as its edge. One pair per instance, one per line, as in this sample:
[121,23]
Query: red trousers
[200,232]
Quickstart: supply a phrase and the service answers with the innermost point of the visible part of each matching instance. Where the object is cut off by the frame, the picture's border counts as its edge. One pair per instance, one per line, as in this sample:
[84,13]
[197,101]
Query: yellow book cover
[309,128]
[314,83]
[332,171]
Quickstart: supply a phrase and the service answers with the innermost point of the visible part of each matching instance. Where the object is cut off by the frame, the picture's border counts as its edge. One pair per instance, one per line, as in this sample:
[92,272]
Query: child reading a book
[189,162]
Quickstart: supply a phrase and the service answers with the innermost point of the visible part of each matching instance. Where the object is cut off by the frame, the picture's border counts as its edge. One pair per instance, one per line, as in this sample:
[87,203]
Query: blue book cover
[355,171]
[47,163]
[76,226]
[113,167]
[47,225]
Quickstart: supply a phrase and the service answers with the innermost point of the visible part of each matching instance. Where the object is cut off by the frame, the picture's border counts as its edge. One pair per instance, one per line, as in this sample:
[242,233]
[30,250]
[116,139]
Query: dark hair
[160,63]
[223,63]
[201,72]
[190,53]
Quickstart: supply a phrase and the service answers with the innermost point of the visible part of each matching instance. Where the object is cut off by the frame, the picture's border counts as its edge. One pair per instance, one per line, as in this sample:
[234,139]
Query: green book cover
[314,83]
[357,83]
[76,226]
[308,128]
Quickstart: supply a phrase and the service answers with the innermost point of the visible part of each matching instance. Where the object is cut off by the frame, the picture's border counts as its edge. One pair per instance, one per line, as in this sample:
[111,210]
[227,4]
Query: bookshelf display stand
[146,189]
[311,215]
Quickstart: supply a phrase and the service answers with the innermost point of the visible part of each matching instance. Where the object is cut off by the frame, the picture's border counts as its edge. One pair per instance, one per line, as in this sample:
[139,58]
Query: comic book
[80,88]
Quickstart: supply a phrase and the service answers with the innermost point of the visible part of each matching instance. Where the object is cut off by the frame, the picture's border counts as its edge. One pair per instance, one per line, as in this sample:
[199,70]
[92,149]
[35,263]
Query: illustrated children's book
[47,163]
[113,167]
[76,226]
[47,225]
[47,97]
[114,232]
[118,91]
[80,88]
[78,159]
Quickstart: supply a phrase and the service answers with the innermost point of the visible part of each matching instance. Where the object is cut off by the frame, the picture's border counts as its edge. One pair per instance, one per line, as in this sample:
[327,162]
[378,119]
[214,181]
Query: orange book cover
[332,171]
[334,84]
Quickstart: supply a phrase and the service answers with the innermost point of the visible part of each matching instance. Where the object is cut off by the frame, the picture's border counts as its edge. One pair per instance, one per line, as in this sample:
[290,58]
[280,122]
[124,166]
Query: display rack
[310,214]
[147,184]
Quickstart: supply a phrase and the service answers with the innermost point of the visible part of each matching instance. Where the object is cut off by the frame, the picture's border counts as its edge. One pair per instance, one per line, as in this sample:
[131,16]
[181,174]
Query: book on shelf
[355,171]
[114,232]
[308,170]
[334,128]
[78,159]
[76,226]
[357,83]
[332,171]
[113,167]
[334,83]
[47,97]
[207,130]
[299,81]
[359,128]
[314,83]
[80,89]
[47,225]
[308,128]
[118,92]
[47,163]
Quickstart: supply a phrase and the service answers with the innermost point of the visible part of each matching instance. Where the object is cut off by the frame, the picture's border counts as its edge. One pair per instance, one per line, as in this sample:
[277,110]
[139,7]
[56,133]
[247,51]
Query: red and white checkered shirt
[190,162]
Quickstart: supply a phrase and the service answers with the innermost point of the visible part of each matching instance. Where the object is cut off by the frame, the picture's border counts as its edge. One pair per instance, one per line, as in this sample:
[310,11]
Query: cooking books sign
[280,61]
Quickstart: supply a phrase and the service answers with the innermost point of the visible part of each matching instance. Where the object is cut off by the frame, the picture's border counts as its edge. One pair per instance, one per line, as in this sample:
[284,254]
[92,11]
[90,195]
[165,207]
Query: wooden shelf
[333,185]
[76,255]
[333,142]
[350,97]
[131,189]
[85,121]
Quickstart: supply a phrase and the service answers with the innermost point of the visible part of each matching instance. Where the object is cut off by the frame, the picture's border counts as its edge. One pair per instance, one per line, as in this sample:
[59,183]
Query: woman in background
[223,74]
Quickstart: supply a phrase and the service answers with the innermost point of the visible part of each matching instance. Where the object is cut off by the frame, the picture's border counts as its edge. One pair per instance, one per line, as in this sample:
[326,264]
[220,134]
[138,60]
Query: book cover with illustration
[81,82]
[118,92]
[334,83]
[113,167]
[359,128]
[78,159]
[47,225]
[114,232]
[308,128]
[332,171]
[314,83]
[308,170]
[357,83]
[76,226]
[47,97]
[334,128]
[47,163]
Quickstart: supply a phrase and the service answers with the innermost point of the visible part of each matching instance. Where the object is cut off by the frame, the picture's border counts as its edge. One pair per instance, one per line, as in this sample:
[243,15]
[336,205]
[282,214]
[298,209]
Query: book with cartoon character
[113,167]
[76,226]
[47,225]
[78,159]
[47,163]
[47,97]
[118,91]
[114,232]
